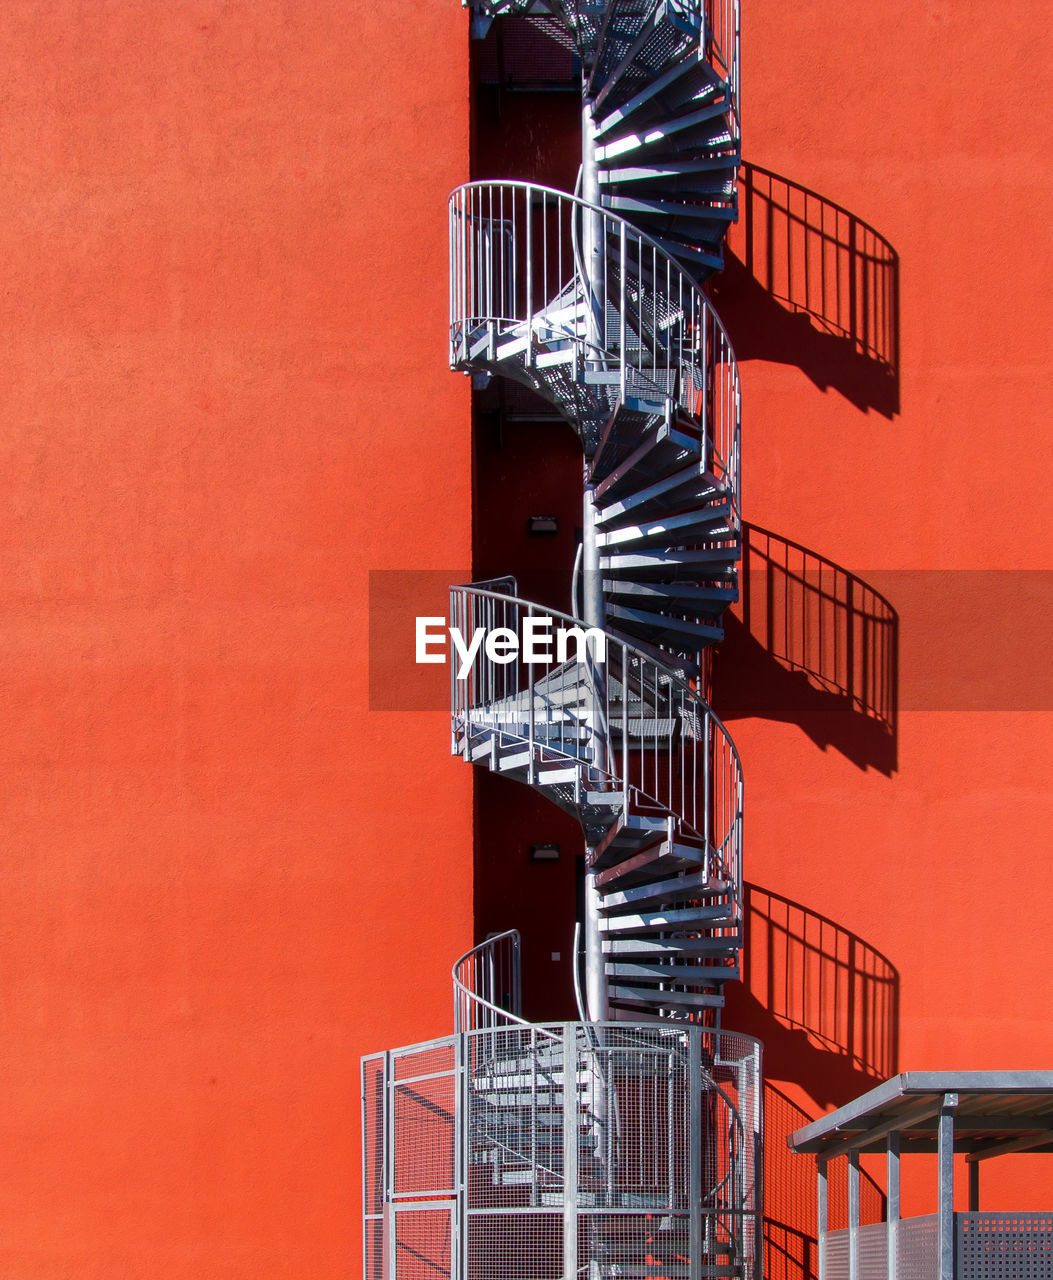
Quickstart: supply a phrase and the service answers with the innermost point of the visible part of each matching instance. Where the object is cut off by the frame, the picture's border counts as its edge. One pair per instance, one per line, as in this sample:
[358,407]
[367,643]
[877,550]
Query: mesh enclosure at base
[1004,1246]
[372,1135]
[423,1122]
[633,1146]
[373,1249]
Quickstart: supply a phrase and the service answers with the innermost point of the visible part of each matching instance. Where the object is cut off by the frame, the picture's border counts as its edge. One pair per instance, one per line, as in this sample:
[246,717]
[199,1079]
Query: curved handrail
[644,329]
[520,688]
[489,964]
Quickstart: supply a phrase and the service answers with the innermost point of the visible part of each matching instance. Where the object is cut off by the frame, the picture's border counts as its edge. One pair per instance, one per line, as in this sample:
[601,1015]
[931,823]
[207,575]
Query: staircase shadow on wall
[814,645]
[807,283]
[823,1000]
[826,1005]
[791,1249]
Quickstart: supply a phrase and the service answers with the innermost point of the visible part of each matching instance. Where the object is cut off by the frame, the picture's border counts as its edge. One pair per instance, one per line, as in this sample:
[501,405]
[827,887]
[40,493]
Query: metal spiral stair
[663,79]
[527,1096]
[624,1146]
[596,306]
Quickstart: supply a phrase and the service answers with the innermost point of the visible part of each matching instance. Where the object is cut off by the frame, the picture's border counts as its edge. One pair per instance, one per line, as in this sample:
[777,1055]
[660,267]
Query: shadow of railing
[791,1250]
[823,1000]
[809,283]
[826,994]
[826,1005]
[813,644]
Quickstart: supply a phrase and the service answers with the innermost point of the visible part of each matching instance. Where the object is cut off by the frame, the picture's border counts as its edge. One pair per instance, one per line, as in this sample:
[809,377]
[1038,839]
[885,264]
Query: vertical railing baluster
[623,354]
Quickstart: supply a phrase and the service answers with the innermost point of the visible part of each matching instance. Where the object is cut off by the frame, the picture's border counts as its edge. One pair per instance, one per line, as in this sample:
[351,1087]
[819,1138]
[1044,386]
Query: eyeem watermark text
[541,641]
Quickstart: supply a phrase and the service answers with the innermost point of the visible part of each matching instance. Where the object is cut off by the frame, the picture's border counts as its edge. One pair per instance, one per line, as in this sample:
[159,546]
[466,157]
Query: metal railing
[722,47]
[660,740]
[641,329]
[487,984]
[482,1147]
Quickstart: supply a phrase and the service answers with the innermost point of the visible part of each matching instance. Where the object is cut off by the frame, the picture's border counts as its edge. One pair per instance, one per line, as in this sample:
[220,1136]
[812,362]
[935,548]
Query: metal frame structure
[982,1114]
[625,1145]
[560,1150]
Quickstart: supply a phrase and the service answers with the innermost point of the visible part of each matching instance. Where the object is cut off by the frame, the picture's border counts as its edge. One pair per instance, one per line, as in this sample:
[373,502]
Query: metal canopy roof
[995,1113]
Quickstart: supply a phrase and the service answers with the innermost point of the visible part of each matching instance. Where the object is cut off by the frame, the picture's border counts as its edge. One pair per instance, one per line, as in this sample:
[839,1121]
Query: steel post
[945,1195]
[570,1151]
[853,1215]
[892,1213]
[823,1213]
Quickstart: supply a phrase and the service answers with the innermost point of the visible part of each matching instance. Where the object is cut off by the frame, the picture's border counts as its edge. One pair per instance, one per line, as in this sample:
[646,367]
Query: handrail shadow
[808,283]
[826,1005]
[812,644]
[791,1249]
[830,1000]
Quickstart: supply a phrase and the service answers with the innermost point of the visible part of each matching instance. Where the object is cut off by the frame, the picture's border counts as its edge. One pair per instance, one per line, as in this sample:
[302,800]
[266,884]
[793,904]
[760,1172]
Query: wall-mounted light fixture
[544,524]
[544,853]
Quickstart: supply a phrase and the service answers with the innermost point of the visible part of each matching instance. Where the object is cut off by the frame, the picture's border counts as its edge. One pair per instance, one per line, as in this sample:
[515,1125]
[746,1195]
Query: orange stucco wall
[224,400]
[934,860]
[899,162]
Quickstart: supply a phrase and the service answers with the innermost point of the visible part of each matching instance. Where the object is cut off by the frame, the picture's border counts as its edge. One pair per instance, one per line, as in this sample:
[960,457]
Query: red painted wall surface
[932,861]
[888,293]
[224,400]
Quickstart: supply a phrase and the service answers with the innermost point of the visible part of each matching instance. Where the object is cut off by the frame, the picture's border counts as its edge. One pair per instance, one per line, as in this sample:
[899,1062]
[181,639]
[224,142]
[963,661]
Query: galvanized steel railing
[723,45]
[487,984]
[481,1148]
[652,736]
[643,329]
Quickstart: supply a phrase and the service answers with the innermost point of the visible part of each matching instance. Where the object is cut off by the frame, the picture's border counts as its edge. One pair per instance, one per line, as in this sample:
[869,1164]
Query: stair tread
[659,563]
[699,975]
[666,854]
[672,947]
[676,489]
[622,994]
[690,884]
[714,520]
[663,921]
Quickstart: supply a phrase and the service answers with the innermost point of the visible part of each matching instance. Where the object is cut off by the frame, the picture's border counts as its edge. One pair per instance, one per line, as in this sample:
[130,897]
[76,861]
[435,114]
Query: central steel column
[593,610]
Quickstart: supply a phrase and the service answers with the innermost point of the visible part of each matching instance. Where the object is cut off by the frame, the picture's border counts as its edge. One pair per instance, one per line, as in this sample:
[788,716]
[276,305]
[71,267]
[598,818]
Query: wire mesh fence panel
[423,1244]
[632,1148]
[645,1246]
[373,1249]
[514,1122]
[373,1085]
[515,1246]
[423,1122]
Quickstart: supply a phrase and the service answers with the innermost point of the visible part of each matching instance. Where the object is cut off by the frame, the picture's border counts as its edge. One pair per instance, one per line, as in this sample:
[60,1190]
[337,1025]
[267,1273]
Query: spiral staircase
[623,1146]
[596,306]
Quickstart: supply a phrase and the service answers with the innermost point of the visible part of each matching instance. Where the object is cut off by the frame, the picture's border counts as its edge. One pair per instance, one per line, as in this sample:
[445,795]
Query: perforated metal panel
[918,1251]
[1004,1246]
